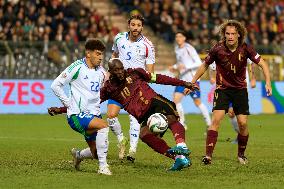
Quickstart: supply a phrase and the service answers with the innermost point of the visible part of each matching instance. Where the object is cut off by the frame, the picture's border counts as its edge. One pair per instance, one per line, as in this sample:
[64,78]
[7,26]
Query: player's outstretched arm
[166,80]
[266,74]
[189,87]
[201,70]
[56,110]
[252,75]
[150,68]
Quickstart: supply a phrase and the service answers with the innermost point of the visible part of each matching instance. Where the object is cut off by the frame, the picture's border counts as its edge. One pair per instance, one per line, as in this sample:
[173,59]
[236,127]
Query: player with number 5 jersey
[135,51]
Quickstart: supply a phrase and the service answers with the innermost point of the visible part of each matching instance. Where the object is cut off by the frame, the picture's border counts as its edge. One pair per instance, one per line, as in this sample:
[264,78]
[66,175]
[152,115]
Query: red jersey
[231,66]
[134,94]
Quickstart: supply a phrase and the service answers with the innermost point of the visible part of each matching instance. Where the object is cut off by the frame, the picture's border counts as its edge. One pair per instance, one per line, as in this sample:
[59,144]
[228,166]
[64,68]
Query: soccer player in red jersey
[230,56]
[131,89]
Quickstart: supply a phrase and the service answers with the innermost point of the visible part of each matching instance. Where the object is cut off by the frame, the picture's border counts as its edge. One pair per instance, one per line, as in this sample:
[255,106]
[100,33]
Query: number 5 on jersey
[129,56]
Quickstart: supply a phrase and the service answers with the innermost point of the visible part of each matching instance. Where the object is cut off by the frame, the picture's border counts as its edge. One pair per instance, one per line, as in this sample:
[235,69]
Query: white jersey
[84,86]
[188,56]
[134,54]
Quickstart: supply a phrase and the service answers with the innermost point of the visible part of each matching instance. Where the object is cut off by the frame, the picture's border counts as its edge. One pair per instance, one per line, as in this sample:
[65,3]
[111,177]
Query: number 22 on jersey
[95,86]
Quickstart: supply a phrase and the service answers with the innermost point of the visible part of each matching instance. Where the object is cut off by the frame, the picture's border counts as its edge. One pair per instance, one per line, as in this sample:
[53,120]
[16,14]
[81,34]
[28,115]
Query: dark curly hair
[242,31]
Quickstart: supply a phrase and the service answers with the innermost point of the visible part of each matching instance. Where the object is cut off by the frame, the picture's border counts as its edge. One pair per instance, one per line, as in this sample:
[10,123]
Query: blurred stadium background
[39,38]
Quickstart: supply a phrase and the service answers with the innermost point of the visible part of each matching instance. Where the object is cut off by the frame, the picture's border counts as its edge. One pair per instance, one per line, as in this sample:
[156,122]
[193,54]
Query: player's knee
[104,125]
[242,125]
[197,102]
[215,125]
[111,115]
[143,132]
[171,119]
[231,113]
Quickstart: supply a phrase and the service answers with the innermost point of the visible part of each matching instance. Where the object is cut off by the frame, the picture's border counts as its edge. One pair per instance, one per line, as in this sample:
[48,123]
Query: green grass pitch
[34,153]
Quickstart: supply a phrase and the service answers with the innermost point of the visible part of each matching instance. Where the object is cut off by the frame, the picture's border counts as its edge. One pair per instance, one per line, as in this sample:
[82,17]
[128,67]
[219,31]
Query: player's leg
[242,138]
[89,125]
[80,155]
[113,109]
[134,137]
[97,139]
[233,121]
[212,134]
[241,108]
[76,123]
[195,95]
[220,107]
[181,151]
[162,105]
[160,146]
[177,98]
[154,142]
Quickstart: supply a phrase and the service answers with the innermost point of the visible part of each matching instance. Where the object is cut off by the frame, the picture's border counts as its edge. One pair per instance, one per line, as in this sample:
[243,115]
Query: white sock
[181,144]
[205,114]
[180,113]
[179,156]
[134,132]
[102,146]
[115,127]
[234,123]
[86,154]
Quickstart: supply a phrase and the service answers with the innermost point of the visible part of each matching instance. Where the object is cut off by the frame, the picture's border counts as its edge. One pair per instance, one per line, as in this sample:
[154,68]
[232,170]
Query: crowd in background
[71,21]
[52,20]
[264,19]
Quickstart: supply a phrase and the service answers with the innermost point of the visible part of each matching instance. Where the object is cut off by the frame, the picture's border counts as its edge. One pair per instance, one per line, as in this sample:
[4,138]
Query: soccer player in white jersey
[251,83]
[135,51]
[188,61]
[85,77]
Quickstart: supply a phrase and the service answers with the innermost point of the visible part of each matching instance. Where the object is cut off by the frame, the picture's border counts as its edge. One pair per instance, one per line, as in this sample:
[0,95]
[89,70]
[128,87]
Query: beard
[138,33]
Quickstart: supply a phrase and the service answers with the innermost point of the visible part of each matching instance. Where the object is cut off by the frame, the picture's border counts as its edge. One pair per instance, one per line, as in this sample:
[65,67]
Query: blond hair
[242,31]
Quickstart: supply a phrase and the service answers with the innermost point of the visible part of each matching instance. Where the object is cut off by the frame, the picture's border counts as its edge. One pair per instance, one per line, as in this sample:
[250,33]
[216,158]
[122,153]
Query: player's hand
[253,83]
[186,91]
[268,90]
[181,67]
[212,81]
[189,87]
[54,111]
[172,69]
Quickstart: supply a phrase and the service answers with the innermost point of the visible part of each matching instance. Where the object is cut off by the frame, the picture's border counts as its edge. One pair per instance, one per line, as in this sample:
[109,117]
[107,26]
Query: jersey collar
[84,60]
[139,39]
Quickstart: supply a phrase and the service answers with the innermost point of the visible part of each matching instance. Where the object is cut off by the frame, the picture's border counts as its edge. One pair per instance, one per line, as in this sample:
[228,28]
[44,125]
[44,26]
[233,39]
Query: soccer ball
[157,123]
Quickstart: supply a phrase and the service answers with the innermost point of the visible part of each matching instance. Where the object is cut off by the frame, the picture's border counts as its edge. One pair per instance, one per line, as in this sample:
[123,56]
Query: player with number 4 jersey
[230,56]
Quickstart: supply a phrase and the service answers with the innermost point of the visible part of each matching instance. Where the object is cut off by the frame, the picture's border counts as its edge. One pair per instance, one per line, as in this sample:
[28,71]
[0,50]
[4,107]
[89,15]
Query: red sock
[178,132]
[242,144]
[211,142]
[157,144]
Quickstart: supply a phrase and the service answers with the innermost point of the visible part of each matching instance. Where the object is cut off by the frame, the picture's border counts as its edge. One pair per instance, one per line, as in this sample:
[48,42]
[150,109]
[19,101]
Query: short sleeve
[252,54]
[150,53]
[143,74]
[116,38]
[210,58]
